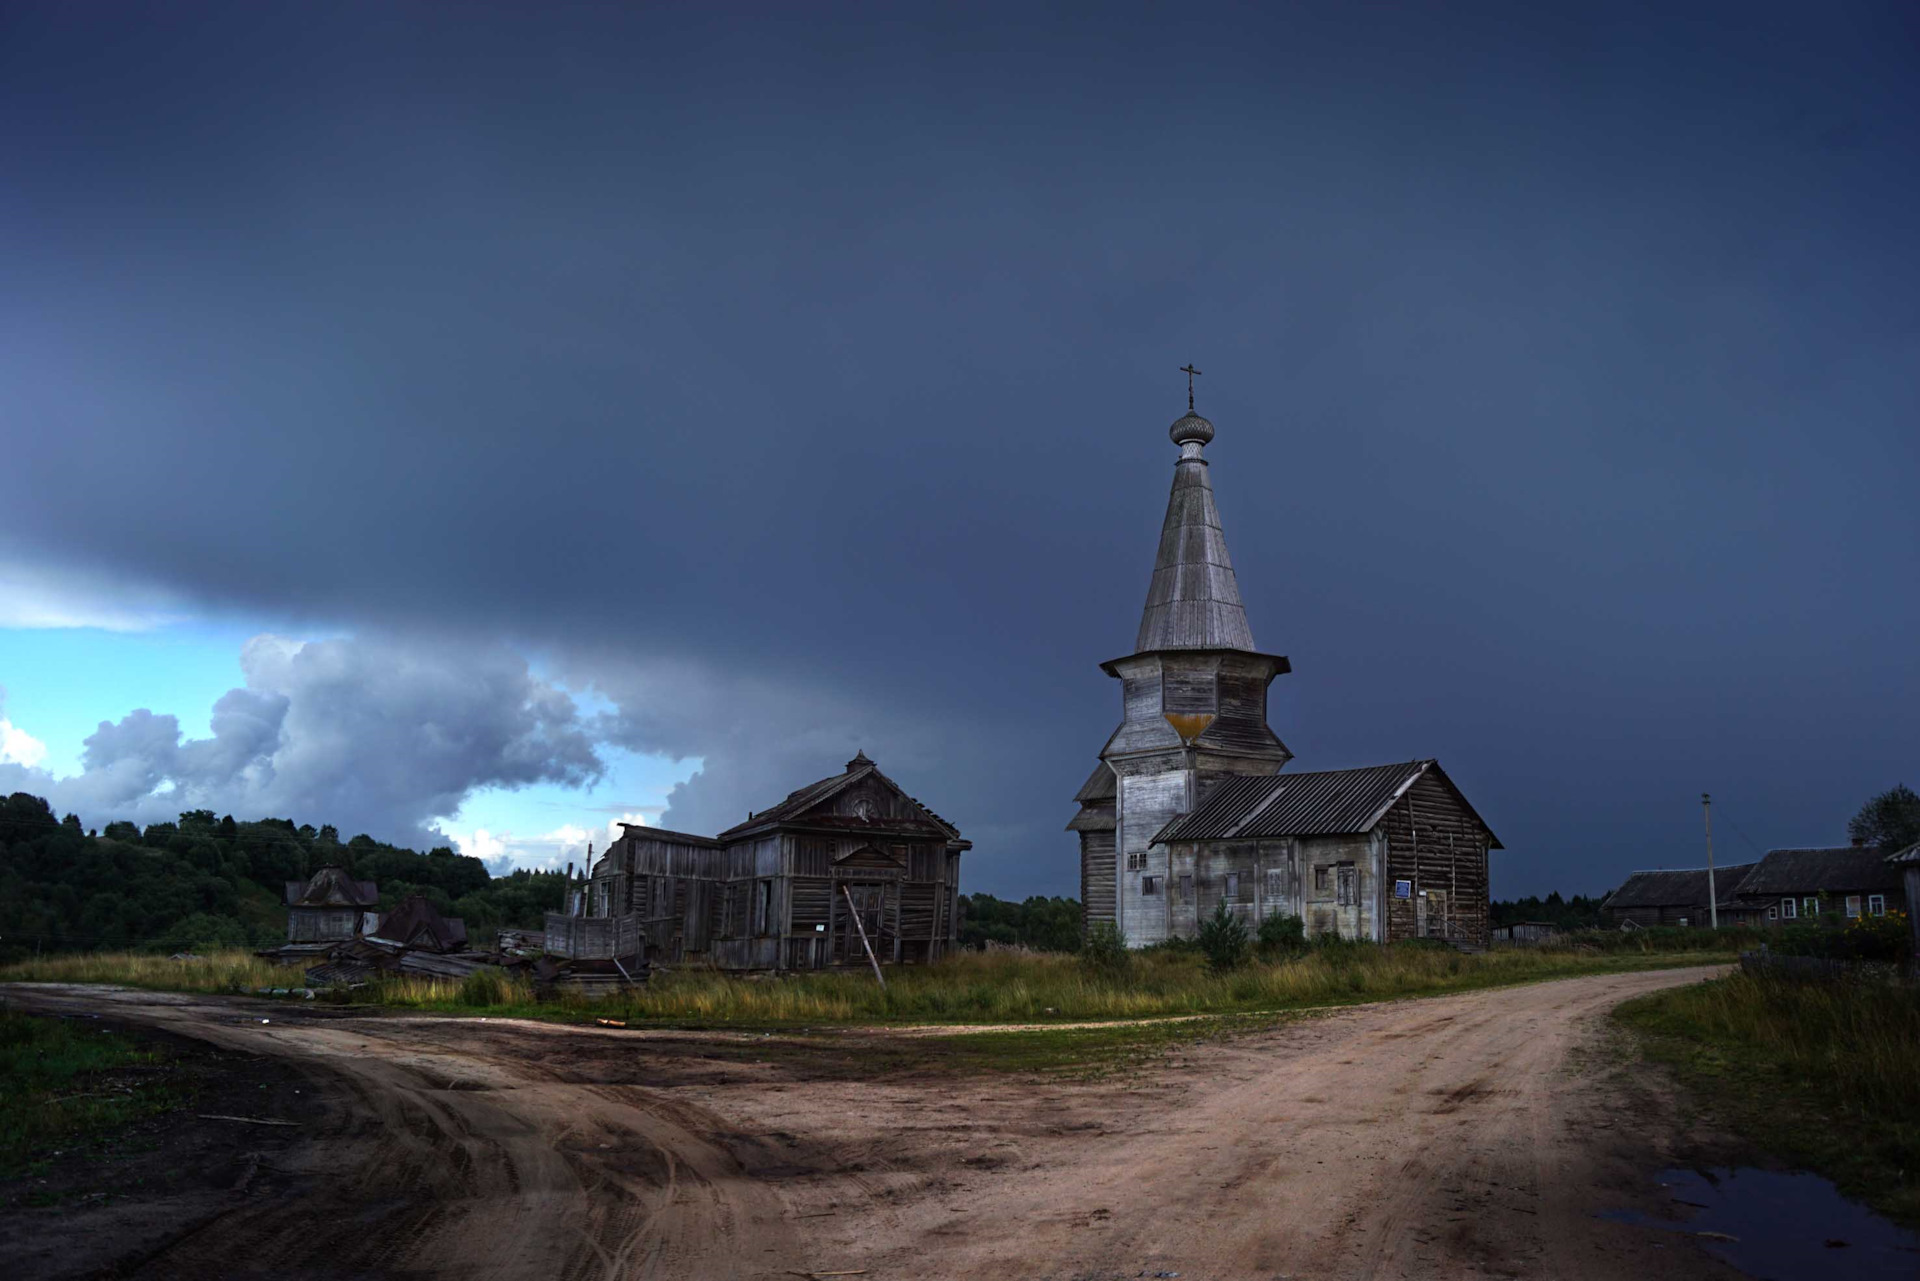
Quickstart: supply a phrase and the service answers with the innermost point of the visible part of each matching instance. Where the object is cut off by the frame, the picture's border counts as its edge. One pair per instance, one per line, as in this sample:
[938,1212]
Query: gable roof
[331,886]
[1679,887]
[1323,803]
[799,801]
[1840,867]
[645,832]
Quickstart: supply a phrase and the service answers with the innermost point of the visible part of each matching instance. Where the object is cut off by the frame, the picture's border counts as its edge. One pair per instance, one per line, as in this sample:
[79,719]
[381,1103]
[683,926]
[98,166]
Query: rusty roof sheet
[1324,803]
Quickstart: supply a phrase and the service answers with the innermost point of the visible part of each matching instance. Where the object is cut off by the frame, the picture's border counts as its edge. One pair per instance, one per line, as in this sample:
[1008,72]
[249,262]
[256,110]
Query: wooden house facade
[848,863]
[331,907]
[1393,851]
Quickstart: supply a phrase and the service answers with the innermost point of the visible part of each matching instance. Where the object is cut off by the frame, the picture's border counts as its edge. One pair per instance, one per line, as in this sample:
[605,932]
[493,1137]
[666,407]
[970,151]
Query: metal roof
[1679,887]
[1193,601]
[1911,854]
[1325,803]
[1802,871]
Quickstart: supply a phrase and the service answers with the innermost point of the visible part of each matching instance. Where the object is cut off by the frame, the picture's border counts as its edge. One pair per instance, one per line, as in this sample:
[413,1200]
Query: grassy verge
[65,1082]
[989,988]
[1823,1075]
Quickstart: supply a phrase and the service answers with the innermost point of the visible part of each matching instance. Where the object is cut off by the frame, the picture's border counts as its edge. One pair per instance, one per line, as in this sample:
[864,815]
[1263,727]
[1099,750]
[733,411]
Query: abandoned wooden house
[844,866]
[331,907]
[1189,807]
[1676,896]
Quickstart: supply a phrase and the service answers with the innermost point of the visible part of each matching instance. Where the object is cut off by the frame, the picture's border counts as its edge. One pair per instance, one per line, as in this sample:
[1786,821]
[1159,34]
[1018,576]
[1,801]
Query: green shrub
[1104,951]
[1224,940]
[1282,936]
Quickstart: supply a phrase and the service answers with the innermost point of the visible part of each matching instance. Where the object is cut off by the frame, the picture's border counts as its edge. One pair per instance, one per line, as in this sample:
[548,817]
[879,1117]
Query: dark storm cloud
[1564,366]
[378,735]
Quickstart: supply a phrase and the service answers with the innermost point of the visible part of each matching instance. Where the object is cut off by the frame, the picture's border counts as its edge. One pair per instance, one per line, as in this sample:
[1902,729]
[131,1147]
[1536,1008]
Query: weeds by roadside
[66,1081]
[1823,1074]
[995,987]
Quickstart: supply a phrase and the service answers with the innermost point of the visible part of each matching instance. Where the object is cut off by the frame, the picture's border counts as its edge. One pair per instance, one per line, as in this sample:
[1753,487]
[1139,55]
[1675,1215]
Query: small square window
[1233,885]
[1876,905]
[1150,886]
[1773,914]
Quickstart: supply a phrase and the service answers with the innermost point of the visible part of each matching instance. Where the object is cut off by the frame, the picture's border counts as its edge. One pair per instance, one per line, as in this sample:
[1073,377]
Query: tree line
[203,881]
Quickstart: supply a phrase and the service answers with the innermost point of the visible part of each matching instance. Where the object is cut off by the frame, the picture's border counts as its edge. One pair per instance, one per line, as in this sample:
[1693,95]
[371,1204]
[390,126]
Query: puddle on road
[1782,1227]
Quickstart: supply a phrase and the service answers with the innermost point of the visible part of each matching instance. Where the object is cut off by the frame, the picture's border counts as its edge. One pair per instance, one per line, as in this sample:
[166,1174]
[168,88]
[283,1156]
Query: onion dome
[1191,427]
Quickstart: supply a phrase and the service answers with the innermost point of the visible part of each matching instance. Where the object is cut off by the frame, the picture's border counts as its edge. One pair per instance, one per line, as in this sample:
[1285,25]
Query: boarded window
[1276,883]
[1348,882]
[1233,886]
[1322,876]
[1150,886]
[1186,889]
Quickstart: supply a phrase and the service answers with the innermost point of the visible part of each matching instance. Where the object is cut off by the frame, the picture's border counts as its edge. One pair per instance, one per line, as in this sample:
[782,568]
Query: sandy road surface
[1474,1135]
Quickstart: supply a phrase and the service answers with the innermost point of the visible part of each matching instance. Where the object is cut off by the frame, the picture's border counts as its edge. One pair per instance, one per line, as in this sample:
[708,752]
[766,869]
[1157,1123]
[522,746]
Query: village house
[1189,807]
[844,868]
[1836,882]
[331,907]
[1675,896]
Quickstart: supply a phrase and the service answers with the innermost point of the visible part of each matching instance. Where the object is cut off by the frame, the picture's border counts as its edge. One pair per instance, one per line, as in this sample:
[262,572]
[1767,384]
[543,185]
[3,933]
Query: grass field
[66,1080]
[1825,1075]
[986,988]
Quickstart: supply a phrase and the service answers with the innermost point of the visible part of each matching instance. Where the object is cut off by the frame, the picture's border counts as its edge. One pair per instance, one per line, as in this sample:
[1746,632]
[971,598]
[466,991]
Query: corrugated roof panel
[1323,803]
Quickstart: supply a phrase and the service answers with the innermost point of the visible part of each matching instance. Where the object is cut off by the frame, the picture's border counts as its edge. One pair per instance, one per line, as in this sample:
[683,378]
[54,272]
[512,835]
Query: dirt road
[1465,1136]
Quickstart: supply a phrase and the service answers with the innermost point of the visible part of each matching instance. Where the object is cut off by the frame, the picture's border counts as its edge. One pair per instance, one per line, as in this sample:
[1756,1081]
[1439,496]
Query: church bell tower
[1194,705]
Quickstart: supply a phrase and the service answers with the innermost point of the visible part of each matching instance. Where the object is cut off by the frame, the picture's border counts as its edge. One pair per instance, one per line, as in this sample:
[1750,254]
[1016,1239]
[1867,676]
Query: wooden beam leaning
[861,926]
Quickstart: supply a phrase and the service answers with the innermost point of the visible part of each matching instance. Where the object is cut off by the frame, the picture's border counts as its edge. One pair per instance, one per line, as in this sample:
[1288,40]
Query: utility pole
[1713,899]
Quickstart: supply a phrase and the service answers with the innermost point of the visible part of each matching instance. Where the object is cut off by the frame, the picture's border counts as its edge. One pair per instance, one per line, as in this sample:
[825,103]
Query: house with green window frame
[1834,883]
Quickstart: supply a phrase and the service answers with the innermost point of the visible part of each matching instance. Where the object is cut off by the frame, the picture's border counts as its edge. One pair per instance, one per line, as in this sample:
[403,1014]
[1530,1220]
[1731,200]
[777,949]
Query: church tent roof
[1193,600]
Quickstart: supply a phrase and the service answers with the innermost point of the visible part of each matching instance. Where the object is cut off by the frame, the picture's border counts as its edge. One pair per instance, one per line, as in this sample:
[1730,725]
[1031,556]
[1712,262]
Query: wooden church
[1191,805]
[844,869]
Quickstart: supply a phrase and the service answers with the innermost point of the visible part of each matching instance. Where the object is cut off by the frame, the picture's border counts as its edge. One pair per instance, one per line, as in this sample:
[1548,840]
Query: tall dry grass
[230,970]
[989,987]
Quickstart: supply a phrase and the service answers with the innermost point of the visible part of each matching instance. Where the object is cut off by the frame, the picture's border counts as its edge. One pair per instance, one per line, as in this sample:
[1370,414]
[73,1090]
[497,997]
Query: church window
[1186,889]
[1233,885]
[762,907]
[1149,886]
[1348,882]
[1322,876]
[1276,883]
